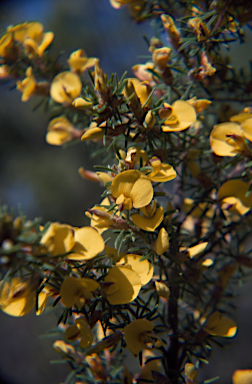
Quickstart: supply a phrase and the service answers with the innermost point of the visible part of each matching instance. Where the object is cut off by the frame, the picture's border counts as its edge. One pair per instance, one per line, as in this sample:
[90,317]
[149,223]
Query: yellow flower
[132,188]
[220,325]
[61,131]
[194,251]
[30,35]
[65,87]
[162,289]
[87,244]
[58,239]
[199,28]
[143,268]
[191,374]
[100,218]
[82,103]
[242,376]
[162,172]
[80,329]
[141,71]
[160,57]
[234,193]
[78,61]
[121,285]
[151,218]
[29,86]
[151,364]
[18,297]
[227,139]
[170,27]
[179,116]
[94,132]
[83,243]
[162,243]
[199,104]
[142,91]
[138,336]
[76,291]
[133,156]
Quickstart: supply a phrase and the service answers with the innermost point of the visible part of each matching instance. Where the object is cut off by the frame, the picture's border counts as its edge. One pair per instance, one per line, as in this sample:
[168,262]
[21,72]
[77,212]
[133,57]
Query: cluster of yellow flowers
[145,273]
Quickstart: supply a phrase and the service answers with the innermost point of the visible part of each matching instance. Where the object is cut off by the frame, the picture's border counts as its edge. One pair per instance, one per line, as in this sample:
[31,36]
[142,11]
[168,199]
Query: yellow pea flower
[61,131]
[141,71]
[234,193]
[100,219]
[80,329]
[194,251]
[87,244]
[170,27]
[199,104]
[58,239]
[78,61]
[65,87]
[29,86]
[142,90]
[242,376]
[76,291]
[160,57]
[138,336]
[162,243]
[132,188]
[151,218]
[220,325]
[162,172]
[17,297]
[143,268]
[227,139]
[121,285]
[94,132]
[83,243]
[133,156]
[179,116]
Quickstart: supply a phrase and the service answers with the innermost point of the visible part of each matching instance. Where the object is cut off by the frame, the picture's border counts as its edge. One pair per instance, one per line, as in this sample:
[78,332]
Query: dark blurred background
[44,180]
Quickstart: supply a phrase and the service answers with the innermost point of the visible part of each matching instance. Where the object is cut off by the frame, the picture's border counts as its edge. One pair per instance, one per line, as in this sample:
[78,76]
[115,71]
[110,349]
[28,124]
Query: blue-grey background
[44,179]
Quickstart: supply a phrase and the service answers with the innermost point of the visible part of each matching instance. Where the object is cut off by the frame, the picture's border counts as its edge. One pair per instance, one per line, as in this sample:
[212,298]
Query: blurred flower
[151,218]
[65,87]
[62,347]
[235,195]
[191,374]
[83,243]
[194,251]
[18,297]
[141,71]
[199,104]
[78,61]
[61,131]
[143,268]
[76,291]
[160,57]
[205,69]
[162,172]
[162,243]
[132,188]
[80,329]
[82,103]
[199,28]
[170,27]
[242,376]
[138,336]
[94,132]
[30,35]
[227,139]
[162,289]
[179,116]
[220,325]
[29,86]
[121,285]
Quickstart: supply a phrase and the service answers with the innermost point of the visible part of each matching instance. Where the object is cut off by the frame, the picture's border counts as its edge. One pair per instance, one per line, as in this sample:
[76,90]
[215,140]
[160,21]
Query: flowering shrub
[152,272]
